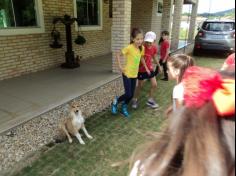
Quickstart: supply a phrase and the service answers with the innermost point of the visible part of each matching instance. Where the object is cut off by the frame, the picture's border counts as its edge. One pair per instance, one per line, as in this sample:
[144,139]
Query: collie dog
[75,122]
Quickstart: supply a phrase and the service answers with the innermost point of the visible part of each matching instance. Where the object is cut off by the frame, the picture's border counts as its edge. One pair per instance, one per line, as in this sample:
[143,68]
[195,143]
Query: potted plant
[80,40]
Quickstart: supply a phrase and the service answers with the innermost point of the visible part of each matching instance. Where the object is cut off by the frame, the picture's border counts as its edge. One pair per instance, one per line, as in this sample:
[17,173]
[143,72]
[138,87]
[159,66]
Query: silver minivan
[216,35]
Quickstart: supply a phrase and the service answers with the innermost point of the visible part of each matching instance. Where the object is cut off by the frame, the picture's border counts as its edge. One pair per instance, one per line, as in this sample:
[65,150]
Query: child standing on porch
[133,54]
[164,52]
[147,72]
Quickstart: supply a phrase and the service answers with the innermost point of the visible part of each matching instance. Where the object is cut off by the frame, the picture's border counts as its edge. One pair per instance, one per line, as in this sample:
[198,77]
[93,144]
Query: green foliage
[183,34]
[80,40]
[228,13]
[5,13]
[186,14]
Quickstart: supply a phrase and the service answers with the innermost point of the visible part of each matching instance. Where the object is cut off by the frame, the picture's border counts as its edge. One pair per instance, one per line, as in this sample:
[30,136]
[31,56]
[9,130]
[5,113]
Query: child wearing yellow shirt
[133,54]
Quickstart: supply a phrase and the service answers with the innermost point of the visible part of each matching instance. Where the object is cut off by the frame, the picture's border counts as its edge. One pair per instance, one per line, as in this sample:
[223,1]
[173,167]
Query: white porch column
[120,28]
[167,15]
[176,24]
[193,22]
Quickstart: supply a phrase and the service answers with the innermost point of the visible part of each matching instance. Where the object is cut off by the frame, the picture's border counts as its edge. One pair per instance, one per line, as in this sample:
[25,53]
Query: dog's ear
[68,106]
[73,103]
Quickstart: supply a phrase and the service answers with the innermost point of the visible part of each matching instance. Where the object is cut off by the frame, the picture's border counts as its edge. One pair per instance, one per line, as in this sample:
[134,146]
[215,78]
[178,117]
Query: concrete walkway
[28,96]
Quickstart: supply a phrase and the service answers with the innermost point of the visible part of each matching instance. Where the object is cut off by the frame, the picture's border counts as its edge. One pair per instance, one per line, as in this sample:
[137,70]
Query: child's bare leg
[153,87]
[138,89]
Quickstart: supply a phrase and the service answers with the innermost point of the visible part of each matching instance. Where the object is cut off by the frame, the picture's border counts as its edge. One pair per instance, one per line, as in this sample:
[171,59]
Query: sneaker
[114,106]
[135,104]
[124,110]
[151,102]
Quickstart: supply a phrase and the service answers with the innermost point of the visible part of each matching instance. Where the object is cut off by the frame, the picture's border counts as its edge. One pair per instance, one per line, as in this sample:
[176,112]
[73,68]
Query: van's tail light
[198,46]
[201,34]
[233,35]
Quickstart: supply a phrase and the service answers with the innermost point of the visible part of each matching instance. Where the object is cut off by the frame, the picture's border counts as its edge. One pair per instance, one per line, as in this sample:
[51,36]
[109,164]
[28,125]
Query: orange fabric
[224,98]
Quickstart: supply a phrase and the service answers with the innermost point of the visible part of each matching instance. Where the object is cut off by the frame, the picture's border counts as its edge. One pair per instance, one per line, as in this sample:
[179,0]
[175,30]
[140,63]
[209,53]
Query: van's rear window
[218,26]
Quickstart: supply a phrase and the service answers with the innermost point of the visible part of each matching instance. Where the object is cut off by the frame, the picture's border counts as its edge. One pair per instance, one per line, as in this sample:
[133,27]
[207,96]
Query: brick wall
[167,15]
[142,14]
[120,28]
[156,21]
[23,54]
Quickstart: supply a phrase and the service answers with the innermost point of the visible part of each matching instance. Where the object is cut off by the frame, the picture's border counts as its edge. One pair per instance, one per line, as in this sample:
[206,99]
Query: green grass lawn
[115,138]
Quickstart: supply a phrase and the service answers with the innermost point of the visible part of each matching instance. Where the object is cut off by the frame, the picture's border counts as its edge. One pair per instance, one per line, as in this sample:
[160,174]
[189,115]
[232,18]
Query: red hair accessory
[203,84]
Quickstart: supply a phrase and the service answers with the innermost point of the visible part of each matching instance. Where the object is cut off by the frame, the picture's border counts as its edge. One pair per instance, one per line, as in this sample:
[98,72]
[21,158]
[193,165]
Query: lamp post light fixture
[71,60]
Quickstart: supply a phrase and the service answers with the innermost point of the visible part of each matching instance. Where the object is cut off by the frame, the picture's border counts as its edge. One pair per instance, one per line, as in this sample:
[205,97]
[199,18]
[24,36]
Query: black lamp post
[71,60]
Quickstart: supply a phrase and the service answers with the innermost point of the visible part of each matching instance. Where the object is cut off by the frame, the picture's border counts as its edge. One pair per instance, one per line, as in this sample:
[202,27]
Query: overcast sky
[213,6]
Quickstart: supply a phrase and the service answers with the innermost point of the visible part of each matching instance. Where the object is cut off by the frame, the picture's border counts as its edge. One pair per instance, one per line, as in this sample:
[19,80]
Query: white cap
[150,37]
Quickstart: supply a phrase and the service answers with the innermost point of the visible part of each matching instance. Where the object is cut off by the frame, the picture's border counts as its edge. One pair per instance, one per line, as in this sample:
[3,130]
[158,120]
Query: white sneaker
[134,103]
[152,103]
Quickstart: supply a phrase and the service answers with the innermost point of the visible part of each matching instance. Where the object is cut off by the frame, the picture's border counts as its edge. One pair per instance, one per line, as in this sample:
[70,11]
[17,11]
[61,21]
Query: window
[89,13]
[159,7]
[20,17]
[218,26]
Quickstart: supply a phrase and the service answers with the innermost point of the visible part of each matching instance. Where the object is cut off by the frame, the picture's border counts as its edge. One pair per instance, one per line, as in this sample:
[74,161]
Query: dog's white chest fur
[74,123]
[78,120]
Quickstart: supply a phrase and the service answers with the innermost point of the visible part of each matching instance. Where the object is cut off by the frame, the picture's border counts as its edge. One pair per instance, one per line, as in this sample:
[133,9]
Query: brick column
[193,22]
[176,24]
[167,15]
[120,28]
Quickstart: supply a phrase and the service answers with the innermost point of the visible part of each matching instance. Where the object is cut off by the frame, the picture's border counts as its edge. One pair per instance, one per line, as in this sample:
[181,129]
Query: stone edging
[23,140]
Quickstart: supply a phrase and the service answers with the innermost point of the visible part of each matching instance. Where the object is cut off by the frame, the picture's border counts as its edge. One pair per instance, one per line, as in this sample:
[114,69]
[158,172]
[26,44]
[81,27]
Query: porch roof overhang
[190,1]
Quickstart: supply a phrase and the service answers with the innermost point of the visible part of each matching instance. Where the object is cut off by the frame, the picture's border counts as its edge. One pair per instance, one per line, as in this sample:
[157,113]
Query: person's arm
[178,96]
[178,103]
[155,58]
[167,52]
[135,169]
[145,66]
[118,58]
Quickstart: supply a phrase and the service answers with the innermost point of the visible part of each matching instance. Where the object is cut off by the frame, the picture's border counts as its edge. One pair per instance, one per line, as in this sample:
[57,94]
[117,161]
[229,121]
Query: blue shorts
[144,75]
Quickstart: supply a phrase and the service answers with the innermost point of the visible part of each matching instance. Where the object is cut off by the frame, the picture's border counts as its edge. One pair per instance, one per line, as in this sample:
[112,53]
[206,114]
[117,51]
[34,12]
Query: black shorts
[144,75]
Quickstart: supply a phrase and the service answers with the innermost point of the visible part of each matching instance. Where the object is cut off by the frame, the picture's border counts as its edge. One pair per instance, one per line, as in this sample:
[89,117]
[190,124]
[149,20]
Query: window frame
[40,28]
[157,13]
[91,27]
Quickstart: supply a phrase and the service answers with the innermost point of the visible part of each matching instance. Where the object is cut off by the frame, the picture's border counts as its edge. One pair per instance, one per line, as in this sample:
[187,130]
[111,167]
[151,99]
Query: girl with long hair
[200,138]
[133,55]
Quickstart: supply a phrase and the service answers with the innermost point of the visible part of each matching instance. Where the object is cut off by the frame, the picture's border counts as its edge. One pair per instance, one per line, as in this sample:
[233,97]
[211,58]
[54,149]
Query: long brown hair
[196,142]
[163,33]
[134,33]
[181,62]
